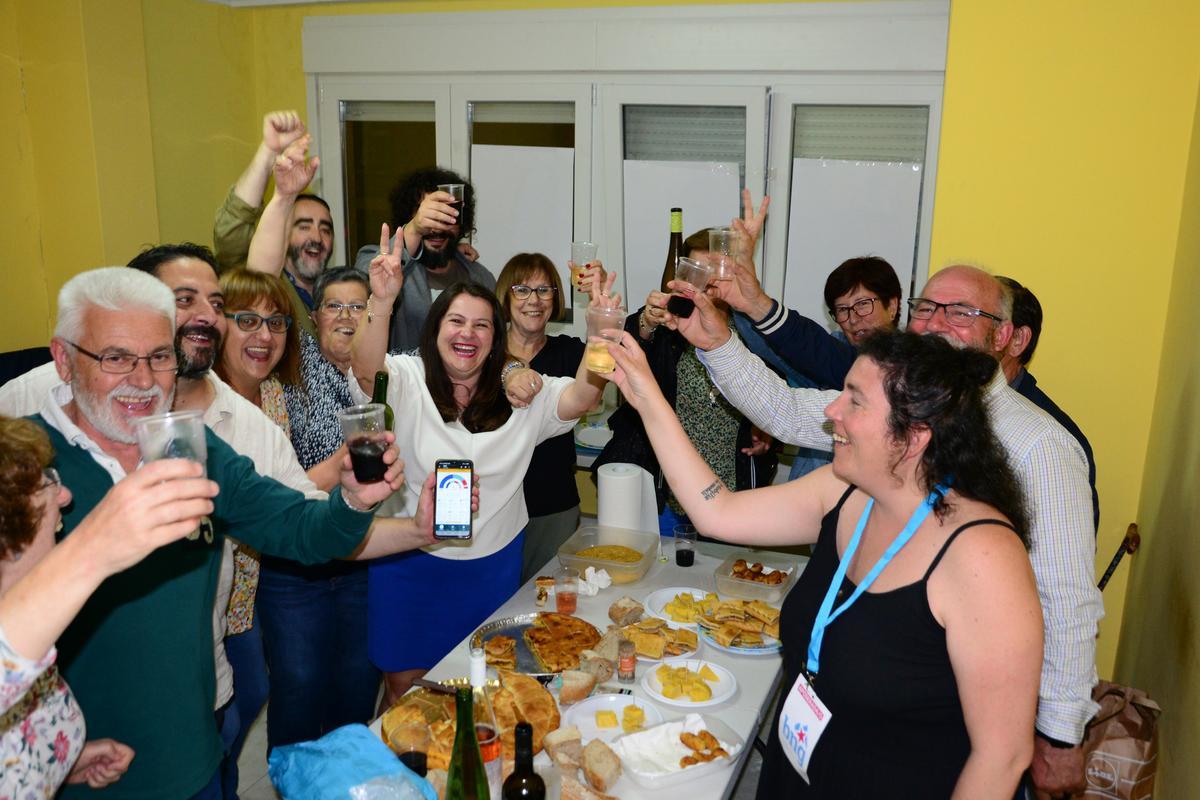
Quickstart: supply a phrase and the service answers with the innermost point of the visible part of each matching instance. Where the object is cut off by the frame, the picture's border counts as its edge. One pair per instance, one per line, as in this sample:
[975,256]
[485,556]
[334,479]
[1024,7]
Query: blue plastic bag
[336,763]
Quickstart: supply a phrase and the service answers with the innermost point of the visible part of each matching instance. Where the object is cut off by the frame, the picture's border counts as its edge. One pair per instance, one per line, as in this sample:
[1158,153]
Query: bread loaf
[602,668]
[576,685]
[601,766]
[565,746]
[625,611]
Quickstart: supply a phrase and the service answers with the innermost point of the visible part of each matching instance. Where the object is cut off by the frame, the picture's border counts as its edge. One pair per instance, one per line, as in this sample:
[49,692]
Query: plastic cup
[724,248]
[582,254]
[365,432]
[685,545]
[176,434]
[457,190]
[694,273]
[566,590]
[604,325]
[411,744]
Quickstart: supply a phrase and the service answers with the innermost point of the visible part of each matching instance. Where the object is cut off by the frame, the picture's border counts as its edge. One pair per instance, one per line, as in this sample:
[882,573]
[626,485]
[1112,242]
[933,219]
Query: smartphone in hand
[452,499]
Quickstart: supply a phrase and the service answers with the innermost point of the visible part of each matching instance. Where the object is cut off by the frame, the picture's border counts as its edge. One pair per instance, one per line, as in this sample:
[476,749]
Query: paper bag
[1120,745]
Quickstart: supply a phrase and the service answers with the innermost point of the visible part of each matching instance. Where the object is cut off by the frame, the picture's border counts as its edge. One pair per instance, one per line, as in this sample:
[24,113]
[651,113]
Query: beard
[308,267]
[196,365]
[99,411]
[436,259]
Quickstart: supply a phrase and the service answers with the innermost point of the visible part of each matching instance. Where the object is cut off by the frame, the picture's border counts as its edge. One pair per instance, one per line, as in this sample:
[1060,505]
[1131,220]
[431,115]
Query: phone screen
[452,501]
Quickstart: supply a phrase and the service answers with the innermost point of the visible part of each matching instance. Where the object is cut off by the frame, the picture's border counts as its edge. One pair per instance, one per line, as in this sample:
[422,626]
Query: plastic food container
[753,590]
[621,572]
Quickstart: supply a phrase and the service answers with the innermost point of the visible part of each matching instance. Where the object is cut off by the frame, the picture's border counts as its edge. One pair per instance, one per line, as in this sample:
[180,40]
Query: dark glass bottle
[674,247]
[380,396]
[466,779]
[524,783]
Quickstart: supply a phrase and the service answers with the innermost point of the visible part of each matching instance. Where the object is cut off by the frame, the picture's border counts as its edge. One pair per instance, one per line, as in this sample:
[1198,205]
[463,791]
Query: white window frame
[852,53]
[330,183]
[784,97]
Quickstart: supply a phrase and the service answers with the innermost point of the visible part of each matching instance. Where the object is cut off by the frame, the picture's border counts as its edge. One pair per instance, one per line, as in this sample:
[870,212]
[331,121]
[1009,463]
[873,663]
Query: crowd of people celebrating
[946,619]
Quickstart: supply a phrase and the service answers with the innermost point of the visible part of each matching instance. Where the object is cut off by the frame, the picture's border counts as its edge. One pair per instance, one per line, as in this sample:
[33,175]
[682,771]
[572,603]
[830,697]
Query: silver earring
[58,528]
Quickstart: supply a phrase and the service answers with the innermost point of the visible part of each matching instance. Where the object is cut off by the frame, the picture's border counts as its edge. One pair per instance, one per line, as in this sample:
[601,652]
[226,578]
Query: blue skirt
[421,606]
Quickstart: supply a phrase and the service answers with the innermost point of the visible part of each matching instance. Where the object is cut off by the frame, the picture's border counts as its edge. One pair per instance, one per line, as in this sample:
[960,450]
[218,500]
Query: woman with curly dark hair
[913,639]
[43,586]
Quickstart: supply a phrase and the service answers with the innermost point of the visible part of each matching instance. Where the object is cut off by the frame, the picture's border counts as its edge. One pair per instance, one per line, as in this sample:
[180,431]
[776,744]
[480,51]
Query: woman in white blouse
[43,586]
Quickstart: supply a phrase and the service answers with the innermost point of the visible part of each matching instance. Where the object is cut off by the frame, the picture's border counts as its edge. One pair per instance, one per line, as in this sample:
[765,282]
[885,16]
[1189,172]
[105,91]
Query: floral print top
[240,616]
[41,726]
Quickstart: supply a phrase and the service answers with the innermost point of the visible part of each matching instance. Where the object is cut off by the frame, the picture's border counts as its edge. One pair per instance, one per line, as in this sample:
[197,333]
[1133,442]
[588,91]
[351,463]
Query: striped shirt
[1053,471]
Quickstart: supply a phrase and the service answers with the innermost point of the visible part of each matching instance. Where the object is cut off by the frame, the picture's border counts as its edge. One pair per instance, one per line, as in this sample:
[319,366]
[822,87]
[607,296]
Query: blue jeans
[213,790]
[245,654]
[315,636]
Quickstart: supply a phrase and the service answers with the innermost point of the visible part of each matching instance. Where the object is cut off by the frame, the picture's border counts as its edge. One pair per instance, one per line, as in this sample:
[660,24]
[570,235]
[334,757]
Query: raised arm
[294,170]
[775,515]
[280,129]
[159,503]
[386,275]
[584,393]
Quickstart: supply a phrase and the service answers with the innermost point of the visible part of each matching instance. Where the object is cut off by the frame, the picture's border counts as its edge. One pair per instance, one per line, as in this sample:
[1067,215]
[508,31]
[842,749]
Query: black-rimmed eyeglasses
[249,322]
[521,291]
[959,315]
[122,363]
[862,308]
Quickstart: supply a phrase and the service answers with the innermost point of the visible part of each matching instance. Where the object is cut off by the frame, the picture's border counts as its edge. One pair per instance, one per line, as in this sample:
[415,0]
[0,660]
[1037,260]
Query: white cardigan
[501,457]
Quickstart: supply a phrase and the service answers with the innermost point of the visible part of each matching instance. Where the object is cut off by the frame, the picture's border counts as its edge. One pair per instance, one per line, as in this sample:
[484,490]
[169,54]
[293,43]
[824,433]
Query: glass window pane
[856,177]
[693,157]
[860,133]
[523,124]
[384,140]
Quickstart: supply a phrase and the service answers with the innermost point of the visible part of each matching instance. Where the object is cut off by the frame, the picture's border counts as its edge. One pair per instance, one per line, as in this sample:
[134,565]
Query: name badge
[801,724]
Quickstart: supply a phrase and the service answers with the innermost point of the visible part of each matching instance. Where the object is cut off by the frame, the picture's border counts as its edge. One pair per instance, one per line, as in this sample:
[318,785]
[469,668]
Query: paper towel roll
[626,498]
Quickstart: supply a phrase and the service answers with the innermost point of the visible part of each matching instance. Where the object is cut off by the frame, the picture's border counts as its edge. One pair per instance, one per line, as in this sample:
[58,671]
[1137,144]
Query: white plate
[658,780]
[593,437]
[583,715]
[770,645]
[656,601]
[722,690]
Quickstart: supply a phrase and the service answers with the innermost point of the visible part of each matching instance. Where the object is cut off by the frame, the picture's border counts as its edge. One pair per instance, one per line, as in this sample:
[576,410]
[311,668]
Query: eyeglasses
[521,291]
[51,478]
[335,309]
[123,363]
[862,308]
[959,315]
[249,322]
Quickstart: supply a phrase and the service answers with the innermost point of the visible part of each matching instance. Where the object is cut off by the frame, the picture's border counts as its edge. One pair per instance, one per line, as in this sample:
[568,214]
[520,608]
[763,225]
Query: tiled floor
[253,783]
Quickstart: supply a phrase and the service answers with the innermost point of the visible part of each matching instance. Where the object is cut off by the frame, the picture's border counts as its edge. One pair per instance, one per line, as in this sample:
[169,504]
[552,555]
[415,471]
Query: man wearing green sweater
[139,655]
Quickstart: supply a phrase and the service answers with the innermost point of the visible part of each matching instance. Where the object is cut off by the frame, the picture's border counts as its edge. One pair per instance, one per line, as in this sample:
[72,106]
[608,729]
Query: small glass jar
[626,661]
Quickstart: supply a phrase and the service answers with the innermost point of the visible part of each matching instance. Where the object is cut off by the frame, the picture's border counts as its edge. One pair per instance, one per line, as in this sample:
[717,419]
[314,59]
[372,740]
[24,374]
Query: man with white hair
[139,654]
[968,307]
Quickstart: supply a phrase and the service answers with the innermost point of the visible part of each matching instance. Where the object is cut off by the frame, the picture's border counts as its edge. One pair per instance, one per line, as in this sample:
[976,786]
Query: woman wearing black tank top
[930,671]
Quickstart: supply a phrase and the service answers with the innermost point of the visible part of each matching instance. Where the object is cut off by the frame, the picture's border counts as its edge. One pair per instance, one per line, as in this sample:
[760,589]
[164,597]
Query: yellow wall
[1064,141]
[1160,642]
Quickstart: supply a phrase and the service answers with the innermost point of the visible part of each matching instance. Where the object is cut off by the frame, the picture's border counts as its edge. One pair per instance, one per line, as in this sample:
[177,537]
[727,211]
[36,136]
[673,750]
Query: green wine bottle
[674,248]
[466,779]
[380,396]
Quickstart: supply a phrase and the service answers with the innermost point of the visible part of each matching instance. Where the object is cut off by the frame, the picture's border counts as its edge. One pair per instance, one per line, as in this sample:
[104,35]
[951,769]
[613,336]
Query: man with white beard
[966,306]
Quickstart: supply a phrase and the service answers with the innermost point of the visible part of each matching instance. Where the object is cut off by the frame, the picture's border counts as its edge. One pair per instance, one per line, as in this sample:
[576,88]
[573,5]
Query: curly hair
[24,451]
[244,289]
[931,384]
[521,268]
[405,198]
[489,407]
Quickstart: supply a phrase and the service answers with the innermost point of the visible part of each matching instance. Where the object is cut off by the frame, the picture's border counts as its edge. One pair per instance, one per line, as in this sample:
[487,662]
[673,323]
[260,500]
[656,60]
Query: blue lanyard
[827,614]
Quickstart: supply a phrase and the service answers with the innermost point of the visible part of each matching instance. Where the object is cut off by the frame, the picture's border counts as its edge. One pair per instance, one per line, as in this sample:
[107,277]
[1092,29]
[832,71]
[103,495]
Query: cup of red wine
[411,744]
[366,438]
[696,274]
[685,545]
[455,190]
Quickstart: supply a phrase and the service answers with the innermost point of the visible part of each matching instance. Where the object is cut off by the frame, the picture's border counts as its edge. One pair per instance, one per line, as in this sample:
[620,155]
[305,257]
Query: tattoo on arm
[712,490]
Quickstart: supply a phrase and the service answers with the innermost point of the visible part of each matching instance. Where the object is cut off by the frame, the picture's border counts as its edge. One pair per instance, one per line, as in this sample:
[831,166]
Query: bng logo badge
[796,737]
